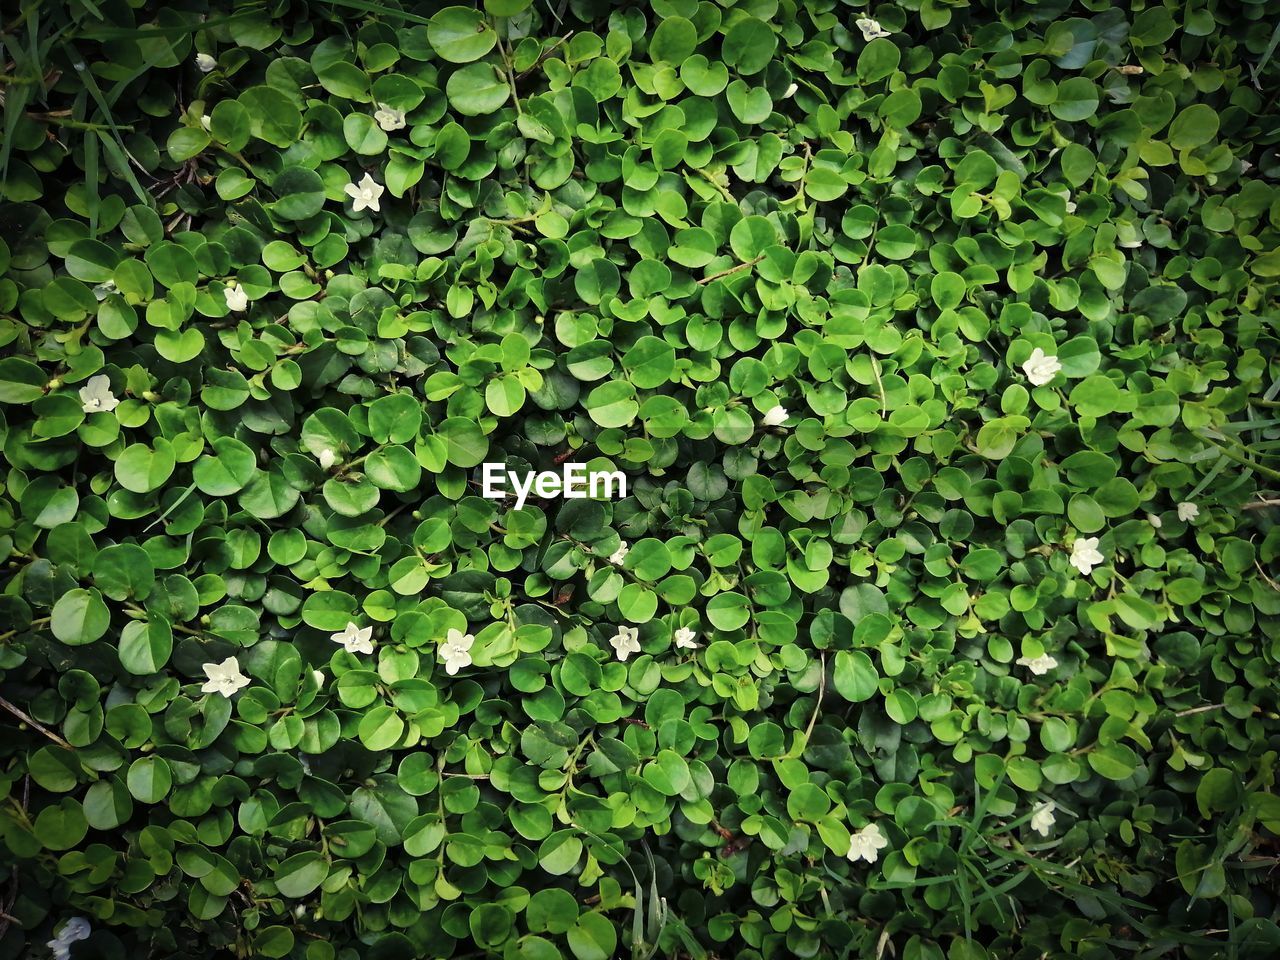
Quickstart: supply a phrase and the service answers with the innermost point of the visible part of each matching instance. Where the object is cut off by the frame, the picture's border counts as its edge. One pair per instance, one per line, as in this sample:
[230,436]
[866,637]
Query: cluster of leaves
[275,280]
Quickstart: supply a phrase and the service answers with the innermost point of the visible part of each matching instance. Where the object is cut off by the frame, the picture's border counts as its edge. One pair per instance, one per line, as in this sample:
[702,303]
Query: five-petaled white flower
[867,843]
[1042,818]
[1085,555]
[224,678]
[1038,665]
[1154,520]
[96,395]
[354,639]
[1041,368]
[1187,512]
[365,195]
[77,928]
[327,458]
[389,118]
[871,29]
[775,415]
[626,642]
[104,289]
[684,639]
[620,554]
[205,62]
[456,650]
[237,299]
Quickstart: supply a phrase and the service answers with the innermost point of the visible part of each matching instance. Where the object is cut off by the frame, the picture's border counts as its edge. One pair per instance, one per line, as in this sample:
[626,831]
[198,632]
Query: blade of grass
[115,146]
[132,33]
[365,6]
[92,198]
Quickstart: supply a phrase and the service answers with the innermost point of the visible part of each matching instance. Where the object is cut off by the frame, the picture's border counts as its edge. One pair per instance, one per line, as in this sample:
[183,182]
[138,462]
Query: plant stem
[543,56]
[724,273]
[34,724]
[511,78]
[817,707]
[8,634]
[724,191]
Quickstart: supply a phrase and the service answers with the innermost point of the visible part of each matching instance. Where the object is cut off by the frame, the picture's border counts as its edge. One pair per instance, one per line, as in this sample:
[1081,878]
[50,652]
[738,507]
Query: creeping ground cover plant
[934,347]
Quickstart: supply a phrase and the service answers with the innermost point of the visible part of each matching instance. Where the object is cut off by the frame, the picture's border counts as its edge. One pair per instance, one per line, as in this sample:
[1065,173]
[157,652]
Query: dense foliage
[938,343]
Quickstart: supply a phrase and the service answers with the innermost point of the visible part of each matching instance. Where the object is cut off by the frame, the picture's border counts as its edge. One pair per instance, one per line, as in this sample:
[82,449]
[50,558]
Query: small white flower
[1071,206]
[1188,512]
[206,121]
[354,639]
[224,678]
[626,642]
[791,92]
[775,415]
[1038,665]
[620,554]
[1155,520]
[389,118]
[205,62]
[456,650]
[237,299]
[1041,368]
[684,639]
[867,843]
[365,195]
[96,395]
[1085,555]
[871,29]
[1042,818]
[77,928]
[104,289]
[327,458]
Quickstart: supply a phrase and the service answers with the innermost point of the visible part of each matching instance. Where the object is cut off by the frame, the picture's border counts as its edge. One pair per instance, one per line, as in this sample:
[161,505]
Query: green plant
[937,343]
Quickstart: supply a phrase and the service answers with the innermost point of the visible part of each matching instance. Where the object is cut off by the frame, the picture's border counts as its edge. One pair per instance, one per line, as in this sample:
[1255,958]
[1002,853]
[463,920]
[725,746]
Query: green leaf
[80,617]
[299,193]
[673,41]
[613,404]
[854,676]
[1077,100]
[145,646]
[299,875]
[149,779]
[363,136]
[749,46]
[1194,126]
[461,34]
[273,117]
[142,469]
[477,90]
[227,470]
